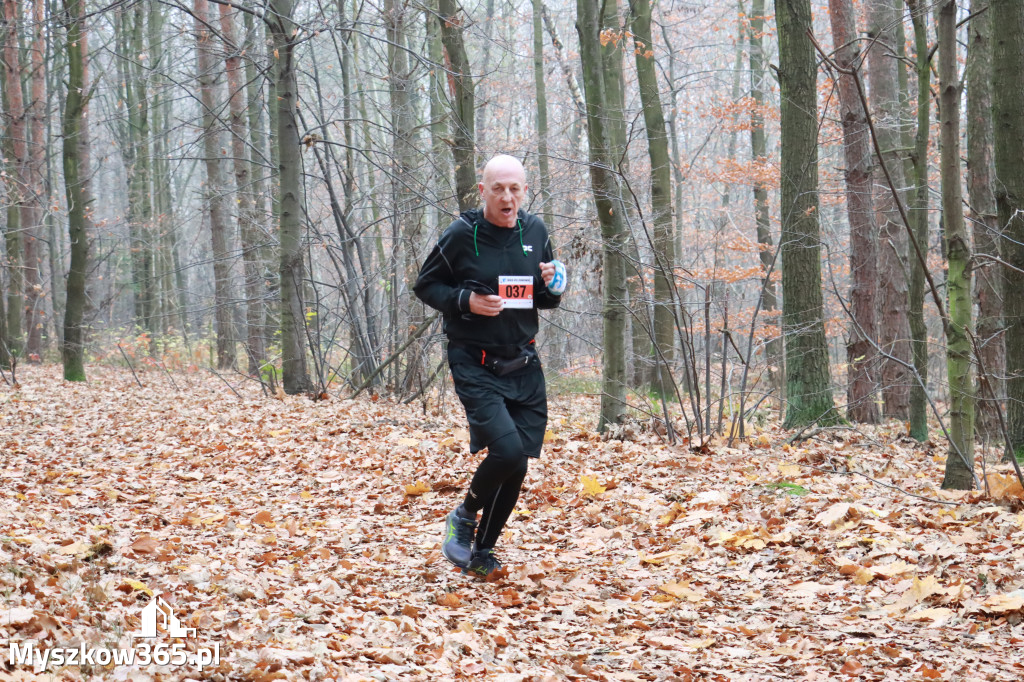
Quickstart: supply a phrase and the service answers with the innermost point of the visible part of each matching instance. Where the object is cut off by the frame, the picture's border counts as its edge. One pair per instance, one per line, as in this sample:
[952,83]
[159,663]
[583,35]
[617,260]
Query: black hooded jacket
[469,256]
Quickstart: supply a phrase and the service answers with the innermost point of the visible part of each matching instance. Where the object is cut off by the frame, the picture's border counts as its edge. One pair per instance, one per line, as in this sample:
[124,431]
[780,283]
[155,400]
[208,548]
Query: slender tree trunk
[16,150]
[919,221]
[485,72]
[762,215]
[216,189]
[248,221]
[440,163]
[292,272]
[980,180]
[75,138]
[960,459]
[894,328]
[567,70]
[407,209]
[661,192]
[1008,128]
[862,361]
[354,248]
[540,87]
[638,315]
[607,200]
[138,161]
[460,80]
[258,159]
[807,367]
[36,114]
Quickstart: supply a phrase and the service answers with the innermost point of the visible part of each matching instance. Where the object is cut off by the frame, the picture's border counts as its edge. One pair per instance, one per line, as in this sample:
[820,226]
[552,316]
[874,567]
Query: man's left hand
[547,272]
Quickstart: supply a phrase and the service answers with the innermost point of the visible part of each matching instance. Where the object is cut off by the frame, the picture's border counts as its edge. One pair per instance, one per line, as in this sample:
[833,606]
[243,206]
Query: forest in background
[810,207]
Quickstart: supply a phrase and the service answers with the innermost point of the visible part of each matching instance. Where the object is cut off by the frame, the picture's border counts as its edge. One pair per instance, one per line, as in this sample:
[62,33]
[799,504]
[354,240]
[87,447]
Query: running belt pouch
[499,367]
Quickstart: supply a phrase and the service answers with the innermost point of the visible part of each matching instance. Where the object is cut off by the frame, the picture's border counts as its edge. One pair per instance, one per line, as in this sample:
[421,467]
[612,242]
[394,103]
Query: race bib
[516,291]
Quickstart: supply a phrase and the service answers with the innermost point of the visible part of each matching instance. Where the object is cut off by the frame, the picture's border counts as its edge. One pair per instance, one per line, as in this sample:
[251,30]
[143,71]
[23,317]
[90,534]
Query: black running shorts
[496,406]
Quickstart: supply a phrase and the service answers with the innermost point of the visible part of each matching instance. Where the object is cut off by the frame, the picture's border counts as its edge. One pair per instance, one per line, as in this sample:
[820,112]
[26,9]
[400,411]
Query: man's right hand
[487,305]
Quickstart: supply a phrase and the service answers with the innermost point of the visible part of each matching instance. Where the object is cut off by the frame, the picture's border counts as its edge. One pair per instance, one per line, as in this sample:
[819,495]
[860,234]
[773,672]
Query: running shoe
[483,563]
[457,546]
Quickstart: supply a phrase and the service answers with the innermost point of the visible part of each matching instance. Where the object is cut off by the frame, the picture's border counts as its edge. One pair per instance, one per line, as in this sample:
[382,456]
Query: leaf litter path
[304,539]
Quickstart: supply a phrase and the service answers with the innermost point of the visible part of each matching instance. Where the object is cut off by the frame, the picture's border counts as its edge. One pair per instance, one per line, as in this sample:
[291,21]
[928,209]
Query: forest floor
[302,539]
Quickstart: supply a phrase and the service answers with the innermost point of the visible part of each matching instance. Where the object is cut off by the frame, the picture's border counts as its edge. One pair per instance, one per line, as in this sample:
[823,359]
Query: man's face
[503,190]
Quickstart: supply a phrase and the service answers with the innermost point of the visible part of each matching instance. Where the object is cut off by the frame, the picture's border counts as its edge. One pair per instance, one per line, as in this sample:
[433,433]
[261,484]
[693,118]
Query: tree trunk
[138,160]
[248,221]
[894,328]
[759,154]
[1008,129]
[261,209]
[485,72]
[75,139]
[661,194]
[36,114]
[808,383]
[960,458]
[407,208]
[543,165]
[610,214]
[16,151]
[292,271]
[862,361]
[460,80]
[216,189]
[441,166]
[919,222]
[980,179]
[567,70]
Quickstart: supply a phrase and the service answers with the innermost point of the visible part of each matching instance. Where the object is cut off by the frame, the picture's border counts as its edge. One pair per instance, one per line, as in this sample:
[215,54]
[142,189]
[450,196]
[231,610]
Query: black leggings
[495,487]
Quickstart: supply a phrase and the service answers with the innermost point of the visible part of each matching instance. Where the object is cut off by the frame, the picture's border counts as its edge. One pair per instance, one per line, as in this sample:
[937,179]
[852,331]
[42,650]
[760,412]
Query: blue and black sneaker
[457,545]
[483,563]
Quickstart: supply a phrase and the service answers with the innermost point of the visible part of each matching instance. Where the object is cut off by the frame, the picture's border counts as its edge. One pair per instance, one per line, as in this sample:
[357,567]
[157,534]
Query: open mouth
[507,212]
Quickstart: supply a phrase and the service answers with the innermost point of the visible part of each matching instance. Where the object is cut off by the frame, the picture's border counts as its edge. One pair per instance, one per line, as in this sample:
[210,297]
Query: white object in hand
[559,281]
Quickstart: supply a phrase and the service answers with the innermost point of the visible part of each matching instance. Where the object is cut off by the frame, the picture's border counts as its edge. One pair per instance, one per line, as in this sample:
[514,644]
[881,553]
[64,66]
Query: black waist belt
[508,351]
[499,360]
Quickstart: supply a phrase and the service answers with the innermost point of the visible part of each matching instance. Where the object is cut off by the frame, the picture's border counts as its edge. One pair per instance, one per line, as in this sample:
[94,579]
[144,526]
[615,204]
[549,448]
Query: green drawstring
[519,222]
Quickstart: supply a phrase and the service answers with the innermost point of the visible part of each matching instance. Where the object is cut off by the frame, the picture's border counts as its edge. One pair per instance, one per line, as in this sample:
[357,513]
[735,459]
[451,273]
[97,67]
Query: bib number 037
[516,291]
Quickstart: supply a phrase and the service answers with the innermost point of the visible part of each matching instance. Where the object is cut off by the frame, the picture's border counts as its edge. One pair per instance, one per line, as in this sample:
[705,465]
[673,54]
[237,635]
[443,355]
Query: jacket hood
[473,215]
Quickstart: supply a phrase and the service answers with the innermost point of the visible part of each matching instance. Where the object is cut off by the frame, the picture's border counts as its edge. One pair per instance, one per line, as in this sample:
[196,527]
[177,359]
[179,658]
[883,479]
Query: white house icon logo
[158,612]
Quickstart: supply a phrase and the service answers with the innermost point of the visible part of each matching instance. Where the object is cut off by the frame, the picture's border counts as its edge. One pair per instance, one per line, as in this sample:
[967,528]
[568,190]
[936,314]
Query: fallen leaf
[1003,486]
[417,488]
[852,667]
[1004,603]
[449,599]
[832,515]
[147,544]
[591,486]
[19,615]
[139,586]
[934,615]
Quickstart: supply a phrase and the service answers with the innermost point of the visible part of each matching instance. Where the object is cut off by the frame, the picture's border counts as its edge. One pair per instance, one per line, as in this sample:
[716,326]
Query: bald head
[503,163]
[503,188]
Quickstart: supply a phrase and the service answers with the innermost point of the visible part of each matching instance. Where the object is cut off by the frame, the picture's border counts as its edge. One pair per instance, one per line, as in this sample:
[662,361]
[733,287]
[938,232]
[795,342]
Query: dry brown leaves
[304,538]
